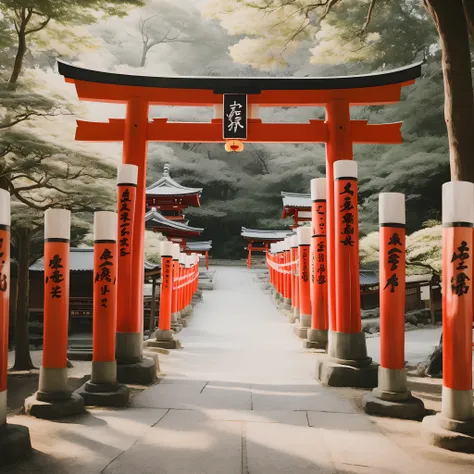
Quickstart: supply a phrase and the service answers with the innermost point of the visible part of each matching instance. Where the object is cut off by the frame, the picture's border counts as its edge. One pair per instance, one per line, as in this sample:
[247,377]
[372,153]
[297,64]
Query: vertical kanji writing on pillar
[320,211]
[321,260]
[125,220]
[348,217]
[56,276]
[304,265]
[167,273]
[3,276]
[104,276]
[459,281]
[393,259]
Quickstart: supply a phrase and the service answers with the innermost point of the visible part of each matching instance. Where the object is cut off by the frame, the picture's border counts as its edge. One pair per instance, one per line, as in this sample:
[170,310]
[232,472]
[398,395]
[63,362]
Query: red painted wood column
[4,299]
[304,250]
[53,387]
[164,336]
[270,266]
[458,218]
[127,196]
[15,443]
[103,389]
[286,305]
[129,345]
[182,262]
[349,340]
[278,262]
[293,240]
[392,380]
[318,334]
[175,312]
[104,367]
[296,303]
[338,147]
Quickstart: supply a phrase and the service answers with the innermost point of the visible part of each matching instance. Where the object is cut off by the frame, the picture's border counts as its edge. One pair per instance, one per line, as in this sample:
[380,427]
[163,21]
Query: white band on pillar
[457,202]
[166,249]
[57,224]
[318,189]
[182,258]
[294,241]
[285,245]
[175,251]
[392,208]
[304,235]
[345,169]
[127,174]
[272,248]
[5,209]
[105,225]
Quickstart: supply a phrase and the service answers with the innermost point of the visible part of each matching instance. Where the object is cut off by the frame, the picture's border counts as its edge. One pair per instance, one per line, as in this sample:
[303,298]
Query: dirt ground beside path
[22,384]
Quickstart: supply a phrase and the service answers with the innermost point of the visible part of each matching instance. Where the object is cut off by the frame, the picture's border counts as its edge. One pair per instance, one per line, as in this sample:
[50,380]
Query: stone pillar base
[317,339]
[128,348]
[293,315]
[164,340]
[392,398]
[175,327]
[285,304]
[51,406]
[15,444]
[335,374]
[410,408]
[460,439]
[164,344]
[301,330]
[183,322]
[140,373]
[104,394]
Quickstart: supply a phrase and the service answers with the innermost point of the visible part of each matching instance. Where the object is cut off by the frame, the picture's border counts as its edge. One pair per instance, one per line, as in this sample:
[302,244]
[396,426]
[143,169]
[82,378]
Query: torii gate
[338,131]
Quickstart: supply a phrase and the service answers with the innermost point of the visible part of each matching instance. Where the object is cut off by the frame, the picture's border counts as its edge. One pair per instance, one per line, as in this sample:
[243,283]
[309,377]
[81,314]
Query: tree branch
[369,15]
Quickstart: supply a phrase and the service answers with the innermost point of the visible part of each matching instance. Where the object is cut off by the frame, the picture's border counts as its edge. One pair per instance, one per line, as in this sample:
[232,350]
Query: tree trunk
[144,53]
[22,334]
[20,53]
[450,21]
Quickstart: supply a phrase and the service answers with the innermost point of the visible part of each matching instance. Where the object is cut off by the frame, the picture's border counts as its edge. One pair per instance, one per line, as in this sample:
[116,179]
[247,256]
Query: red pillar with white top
[391,397]
[304,248]
[15,443]
[453,427]
[164,337]
[318,334]
[348,364]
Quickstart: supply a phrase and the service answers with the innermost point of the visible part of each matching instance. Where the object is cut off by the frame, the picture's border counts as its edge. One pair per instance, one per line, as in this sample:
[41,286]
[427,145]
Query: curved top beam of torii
[367,89]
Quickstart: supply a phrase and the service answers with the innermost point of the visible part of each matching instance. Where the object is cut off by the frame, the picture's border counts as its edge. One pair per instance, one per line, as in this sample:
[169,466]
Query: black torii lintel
[244,85]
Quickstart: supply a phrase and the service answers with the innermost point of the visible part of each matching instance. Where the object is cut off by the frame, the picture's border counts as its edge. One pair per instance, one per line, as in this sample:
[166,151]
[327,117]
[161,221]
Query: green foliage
[423,247]
[76,12]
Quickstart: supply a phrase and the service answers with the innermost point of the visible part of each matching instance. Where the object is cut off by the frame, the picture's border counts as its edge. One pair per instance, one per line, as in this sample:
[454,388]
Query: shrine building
[171,198]
[259,240]
[297,206]
[175,230]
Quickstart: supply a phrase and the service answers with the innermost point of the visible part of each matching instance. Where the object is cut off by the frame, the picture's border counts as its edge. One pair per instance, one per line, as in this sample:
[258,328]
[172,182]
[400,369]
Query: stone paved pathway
[240,398]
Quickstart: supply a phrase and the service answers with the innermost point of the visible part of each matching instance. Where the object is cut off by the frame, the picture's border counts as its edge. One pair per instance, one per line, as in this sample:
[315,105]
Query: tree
[173,23]
[31,16]
[40,175]
[288,24]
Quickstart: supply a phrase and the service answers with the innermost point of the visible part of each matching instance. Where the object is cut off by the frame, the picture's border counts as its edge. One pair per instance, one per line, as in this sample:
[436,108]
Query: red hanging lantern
[234,146]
